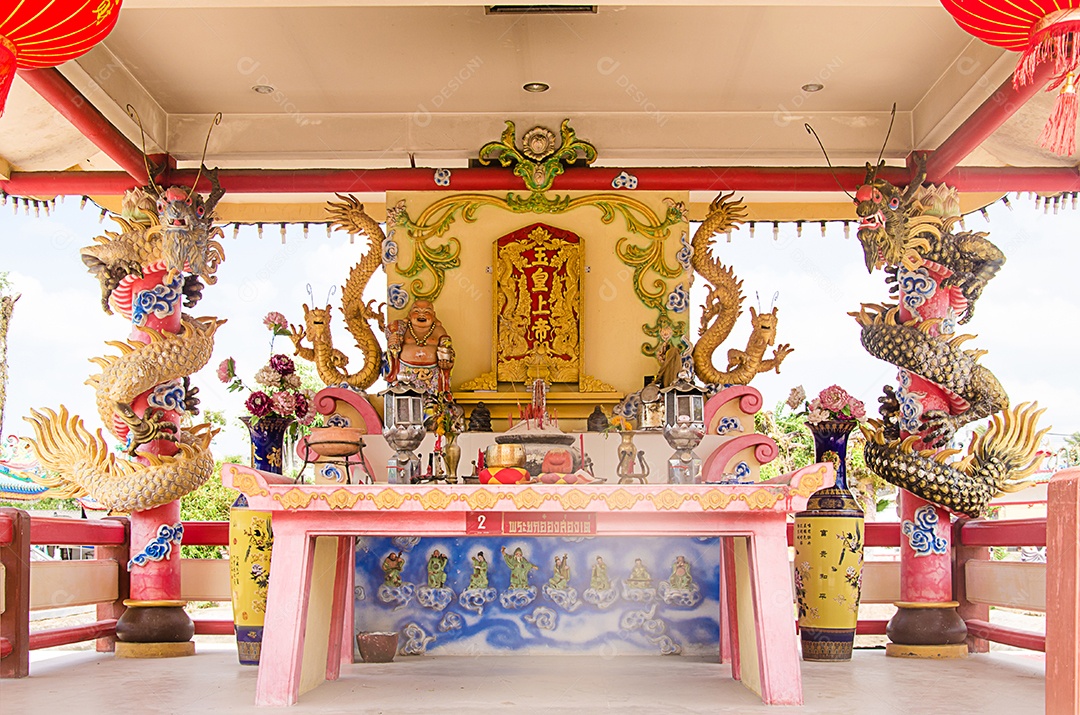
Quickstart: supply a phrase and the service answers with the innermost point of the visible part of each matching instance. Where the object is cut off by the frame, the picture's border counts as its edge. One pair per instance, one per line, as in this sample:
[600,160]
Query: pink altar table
[308,627]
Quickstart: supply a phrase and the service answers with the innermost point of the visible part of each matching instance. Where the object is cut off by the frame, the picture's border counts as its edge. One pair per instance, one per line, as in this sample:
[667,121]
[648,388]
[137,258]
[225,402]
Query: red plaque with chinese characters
[538,305]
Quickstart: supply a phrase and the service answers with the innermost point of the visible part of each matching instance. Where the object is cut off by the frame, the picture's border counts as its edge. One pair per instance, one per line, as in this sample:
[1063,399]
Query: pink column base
[155,580]
[926,573]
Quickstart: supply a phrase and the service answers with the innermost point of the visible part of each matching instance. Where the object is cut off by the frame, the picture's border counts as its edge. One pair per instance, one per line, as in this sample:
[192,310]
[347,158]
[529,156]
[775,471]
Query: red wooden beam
[75,532]
[1014,532]
[1008,636]
[72,634]
[871,628]
[213,628]
[6,648]
[84,116]
[206,533]
[711,179]
[983,122]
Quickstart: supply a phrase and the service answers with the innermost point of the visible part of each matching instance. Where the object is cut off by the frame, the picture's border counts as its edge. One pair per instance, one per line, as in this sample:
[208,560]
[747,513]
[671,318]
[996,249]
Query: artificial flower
[282,364]
[259,404]
[833,403]
[277,323]
[284,403]
[279,392]
[833,398]
[226,371]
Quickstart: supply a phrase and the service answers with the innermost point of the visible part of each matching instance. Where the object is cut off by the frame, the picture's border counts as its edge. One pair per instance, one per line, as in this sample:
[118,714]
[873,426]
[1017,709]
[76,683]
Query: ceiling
[396,84]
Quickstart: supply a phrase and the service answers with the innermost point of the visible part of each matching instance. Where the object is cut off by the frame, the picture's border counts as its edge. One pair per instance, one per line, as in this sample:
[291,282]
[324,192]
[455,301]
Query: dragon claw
[938,428]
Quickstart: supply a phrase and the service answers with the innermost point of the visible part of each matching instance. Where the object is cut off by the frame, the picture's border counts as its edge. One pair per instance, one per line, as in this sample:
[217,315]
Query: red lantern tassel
[1054,39]
[1059,134]
[8,54]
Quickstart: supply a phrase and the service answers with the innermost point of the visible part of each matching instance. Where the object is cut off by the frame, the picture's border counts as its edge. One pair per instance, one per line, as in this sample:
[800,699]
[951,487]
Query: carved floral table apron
[309,616]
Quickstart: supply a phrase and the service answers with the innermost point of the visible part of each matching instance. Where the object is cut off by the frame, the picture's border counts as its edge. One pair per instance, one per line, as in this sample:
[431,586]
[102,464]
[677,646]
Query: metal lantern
[684,399]
[403,406]
[403,428]
[651,408]
[49,33]
[684,427]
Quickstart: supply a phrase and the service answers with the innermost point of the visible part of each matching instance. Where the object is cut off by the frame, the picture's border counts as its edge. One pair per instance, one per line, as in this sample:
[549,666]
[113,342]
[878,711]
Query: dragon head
[179,209]
[883,211]
[880,207]
[183,209]
[317,322]
[764,325]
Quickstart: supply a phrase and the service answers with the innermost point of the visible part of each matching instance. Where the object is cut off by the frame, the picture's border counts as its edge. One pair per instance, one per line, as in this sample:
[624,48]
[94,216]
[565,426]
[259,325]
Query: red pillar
[155,623]
[926,624]
[1063,594]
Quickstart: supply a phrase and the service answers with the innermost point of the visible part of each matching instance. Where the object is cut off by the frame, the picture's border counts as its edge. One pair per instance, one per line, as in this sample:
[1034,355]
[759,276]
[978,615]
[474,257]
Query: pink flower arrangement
[834,403]
[280,394]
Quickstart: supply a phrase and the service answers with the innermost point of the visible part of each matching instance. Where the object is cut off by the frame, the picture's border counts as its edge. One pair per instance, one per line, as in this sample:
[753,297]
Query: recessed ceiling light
[813,87]
[536,87]
[262,89]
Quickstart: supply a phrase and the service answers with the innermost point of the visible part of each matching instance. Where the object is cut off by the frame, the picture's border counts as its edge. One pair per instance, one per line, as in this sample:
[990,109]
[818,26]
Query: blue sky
[1026,319]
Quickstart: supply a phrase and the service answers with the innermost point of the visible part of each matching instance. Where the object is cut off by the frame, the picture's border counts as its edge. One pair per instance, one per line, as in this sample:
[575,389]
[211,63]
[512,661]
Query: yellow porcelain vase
[251,542]
[829,556]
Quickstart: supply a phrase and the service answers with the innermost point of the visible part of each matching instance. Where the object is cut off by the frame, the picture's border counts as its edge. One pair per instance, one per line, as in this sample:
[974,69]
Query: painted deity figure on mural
[419,350]
[479,577]
[680,575]
[520,568]
[599,579]
[392,566]
[560,578]
[639,576]
[436,569]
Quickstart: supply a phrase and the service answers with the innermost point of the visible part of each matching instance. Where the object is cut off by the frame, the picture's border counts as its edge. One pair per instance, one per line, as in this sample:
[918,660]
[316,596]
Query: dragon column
[936,276]
[142,394]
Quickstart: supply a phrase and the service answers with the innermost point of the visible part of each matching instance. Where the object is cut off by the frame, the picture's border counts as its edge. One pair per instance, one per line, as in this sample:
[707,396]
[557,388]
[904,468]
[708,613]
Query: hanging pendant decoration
[1044,32]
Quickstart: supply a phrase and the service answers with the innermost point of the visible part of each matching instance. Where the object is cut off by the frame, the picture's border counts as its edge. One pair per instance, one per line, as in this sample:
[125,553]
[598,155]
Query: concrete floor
[85,682]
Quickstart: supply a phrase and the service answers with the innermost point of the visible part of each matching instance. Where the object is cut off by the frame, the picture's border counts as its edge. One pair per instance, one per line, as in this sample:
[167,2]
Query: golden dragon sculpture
[329,362]
[723,305]
[179,238]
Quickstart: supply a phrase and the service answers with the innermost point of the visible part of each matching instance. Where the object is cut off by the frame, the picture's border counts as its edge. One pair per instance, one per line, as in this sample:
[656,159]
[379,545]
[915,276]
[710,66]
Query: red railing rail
[18,532]
[15,620]
[972,540]
[206,533]
[1014,532]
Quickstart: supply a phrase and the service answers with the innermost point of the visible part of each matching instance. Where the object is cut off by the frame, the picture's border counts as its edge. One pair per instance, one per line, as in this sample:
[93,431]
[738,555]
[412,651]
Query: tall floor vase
[251,540]
[829,554]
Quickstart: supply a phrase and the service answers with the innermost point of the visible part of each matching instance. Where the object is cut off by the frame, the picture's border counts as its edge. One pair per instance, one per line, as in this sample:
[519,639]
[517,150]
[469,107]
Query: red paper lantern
[46,33]
[1044,32]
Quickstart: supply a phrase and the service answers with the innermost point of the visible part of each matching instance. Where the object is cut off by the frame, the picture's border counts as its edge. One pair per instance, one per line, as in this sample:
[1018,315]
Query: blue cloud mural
[494,595]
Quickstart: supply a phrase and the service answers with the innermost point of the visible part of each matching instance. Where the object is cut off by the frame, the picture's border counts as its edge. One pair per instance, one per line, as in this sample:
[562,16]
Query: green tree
[788,429]
[1072,449]
[210,502]
[7,306]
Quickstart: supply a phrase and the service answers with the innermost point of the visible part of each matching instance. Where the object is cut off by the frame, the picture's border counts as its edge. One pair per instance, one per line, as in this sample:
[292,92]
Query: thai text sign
[514,524]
